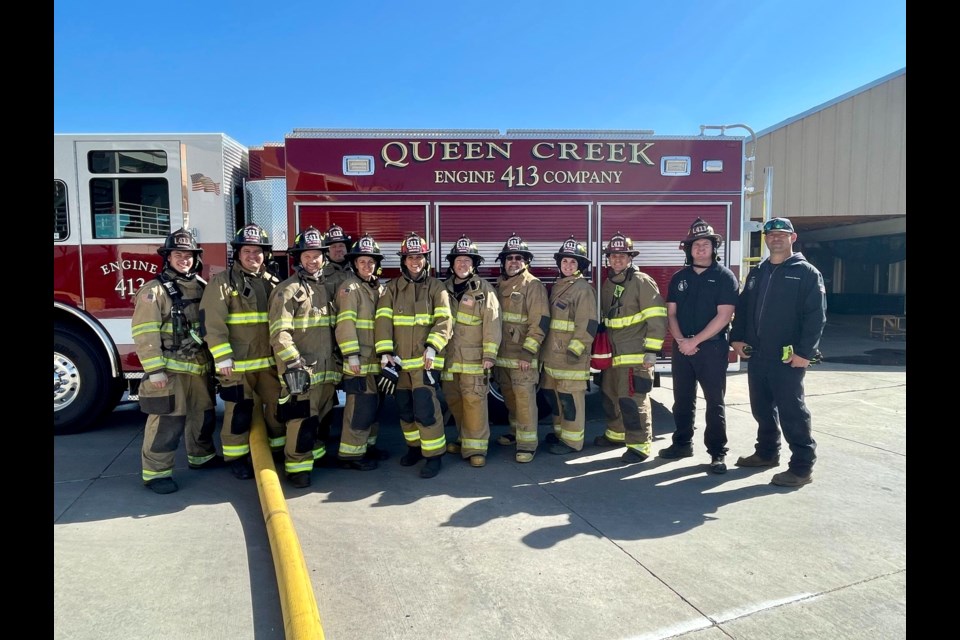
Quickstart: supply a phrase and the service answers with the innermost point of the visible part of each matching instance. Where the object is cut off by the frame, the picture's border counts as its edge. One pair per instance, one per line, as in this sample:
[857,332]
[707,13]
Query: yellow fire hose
[301,618]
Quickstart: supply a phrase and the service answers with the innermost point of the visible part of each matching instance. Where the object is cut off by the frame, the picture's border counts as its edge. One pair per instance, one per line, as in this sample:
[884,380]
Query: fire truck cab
[115,198]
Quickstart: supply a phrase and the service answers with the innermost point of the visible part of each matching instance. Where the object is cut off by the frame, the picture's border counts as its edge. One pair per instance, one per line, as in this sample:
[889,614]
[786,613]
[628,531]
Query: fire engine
[117,196]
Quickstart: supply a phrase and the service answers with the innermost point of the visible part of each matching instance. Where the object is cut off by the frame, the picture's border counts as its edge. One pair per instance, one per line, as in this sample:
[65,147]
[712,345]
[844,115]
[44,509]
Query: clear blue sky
[257,70]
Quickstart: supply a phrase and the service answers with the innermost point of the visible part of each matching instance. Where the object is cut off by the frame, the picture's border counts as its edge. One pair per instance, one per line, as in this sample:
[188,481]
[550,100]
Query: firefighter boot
[162,485]
[411,457]
[299,480]
[604,441]
[636,453]
[375,453]
[358,464]
[431,467]
[213,463]
[242,468]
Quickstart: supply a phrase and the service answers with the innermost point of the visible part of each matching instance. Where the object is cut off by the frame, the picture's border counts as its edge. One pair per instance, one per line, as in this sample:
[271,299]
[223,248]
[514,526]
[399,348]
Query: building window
[61,223]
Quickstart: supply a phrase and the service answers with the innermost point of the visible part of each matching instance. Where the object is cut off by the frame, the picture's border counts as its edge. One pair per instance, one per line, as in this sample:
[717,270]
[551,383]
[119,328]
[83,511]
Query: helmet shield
[335,234]
[515,244]
[309,239]
[413,245]
[573,249]
[365,246]
[180,240]
[700,230]
[465,247]
[620,243]
[252,235]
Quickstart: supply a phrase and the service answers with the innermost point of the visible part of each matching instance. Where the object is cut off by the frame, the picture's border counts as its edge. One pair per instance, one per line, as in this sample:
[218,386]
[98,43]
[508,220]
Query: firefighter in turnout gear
[176,391]
[566,351]
[357,306]
[525,314]
[302,315]
[472,351]
[413,325]
[635,317]
[233,315]
[336,268]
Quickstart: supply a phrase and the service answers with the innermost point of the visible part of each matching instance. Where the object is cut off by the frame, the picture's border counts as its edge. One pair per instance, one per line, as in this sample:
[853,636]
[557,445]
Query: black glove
[431,378]
[388,378]
[298,380]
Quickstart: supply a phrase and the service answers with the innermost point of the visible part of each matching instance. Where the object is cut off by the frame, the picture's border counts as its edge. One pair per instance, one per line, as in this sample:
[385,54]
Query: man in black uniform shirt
[700,303]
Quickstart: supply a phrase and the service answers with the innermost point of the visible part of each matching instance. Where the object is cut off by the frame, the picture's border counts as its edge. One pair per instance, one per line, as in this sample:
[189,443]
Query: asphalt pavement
[578,546]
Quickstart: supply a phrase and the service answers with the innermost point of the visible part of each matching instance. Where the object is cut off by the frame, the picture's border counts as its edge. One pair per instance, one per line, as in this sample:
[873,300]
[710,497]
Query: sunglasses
[514,258]
[777,225]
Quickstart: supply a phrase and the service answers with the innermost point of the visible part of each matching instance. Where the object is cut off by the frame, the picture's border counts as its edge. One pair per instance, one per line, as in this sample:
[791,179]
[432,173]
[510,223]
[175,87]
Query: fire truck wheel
[82,388]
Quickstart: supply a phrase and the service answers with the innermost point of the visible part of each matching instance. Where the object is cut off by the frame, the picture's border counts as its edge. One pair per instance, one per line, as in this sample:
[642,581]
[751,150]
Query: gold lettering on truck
[399,154]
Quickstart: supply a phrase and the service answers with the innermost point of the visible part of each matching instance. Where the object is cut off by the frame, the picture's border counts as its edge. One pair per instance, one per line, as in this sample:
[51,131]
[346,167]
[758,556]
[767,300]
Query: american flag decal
[203,183]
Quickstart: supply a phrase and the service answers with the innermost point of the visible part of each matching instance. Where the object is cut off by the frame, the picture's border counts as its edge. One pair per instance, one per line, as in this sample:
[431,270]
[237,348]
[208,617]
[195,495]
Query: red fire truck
[117,196]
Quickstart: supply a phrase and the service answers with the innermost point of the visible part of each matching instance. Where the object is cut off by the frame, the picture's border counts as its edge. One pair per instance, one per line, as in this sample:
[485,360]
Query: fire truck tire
[82,388]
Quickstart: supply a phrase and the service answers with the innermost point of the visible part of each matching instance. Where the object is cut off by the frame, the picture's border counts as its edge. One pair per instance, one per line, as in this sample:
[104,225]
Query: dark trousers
[708,367]
[777,401]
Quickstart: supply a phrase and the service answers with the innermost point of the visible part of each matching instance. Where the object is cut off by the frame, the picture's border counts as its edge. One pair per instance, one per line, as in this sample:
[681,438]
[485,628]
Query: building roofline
[830,103]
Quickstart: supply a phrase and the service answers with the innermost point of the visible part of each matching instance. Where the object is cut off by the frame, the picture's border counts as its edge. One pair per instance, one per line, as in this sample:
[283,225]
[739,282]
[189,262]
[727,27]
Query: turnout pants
[191,416]
[466,397]
[519,389]
[359,416]
[626,406]
[567,399]
[304,414]
[419,411]
[237,393]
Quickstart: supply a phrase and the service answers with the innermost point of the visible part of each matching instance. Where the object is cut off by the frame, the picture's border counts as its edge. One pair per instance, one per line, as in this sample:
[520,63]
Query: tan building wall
[844,159]
[838,171]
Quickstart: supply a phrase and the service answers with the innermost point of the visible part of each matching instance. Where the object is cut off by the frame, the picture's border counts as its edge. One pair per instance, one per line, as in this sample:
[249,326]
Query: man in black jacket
[778,322]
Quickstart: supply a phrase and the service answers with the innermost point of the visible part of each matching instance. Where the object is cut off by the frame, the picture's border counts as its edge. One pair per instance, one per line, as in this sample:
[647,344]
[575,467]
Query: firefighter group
[434,345]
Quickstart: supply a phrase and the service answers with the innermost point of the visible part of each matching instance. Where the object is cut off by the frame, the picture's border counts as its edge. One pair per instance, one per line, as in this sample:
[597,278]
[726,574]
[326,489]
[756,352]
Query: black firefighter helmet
[464,246]
[252,235]
[514,244]
[310,239]
[182,240]
[573,249]
[365,246]
[620,243]
[698,231]
[335,234]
